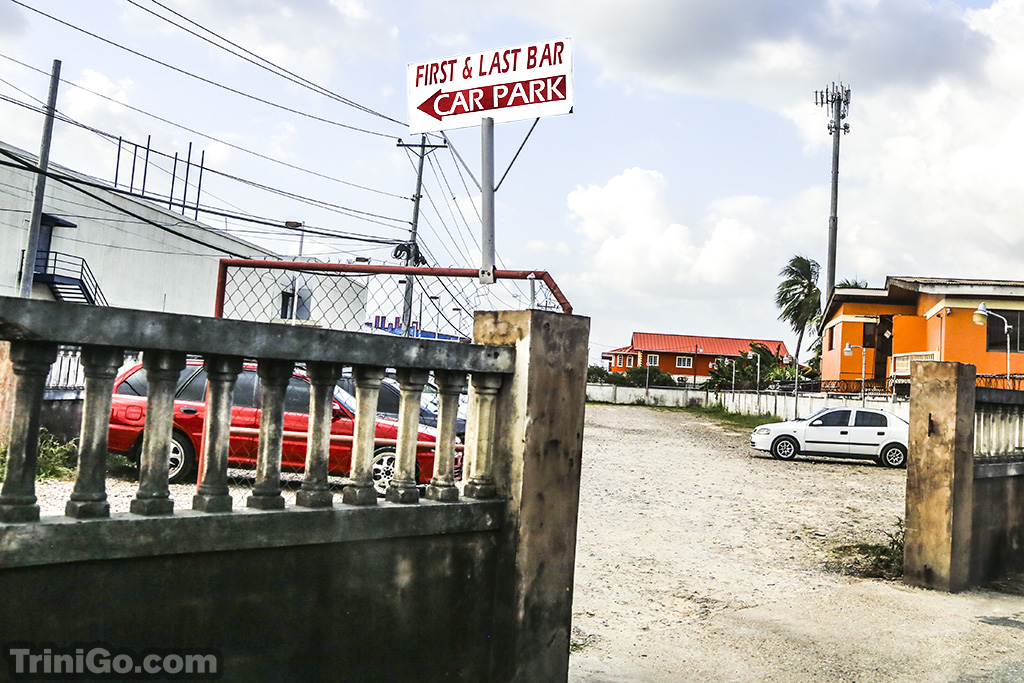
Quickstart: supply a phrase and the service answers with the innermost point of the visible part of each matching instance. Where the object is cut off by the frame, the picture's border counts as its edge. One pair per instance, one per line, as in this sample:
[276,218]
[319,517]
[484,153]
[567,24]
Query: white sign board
[506,85]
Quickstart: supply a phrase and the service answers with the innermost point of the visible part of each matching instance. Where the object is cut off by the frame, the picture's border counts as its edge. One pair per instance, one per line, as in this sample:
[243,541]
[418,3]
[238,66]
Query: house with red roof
[687,358]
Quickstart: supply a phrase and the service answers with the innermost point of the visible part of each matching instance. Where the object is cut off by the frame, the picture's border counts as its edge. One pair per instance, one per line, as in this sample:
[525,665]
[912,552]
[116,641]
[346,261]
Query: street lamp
[757,385]
[696,350]
[848,351]
[981,318]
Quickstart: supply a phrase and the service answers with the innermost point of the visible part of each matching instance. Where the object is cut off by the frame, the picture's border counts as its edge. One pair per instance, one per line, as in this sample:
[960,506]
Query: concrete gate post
[536,459]
[940,476]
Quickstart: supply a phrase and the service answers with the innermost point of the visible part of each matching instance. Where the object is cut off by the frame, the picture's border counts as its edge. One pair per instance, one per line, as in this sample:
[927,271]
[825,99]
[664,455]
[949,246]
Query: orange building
[685,357]
[916,318]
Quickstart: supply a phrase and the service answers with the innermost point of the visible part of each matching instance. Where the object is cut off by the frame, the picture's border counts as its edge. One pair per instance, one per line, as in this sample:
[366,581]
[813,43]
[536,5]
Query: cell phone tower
[837,97]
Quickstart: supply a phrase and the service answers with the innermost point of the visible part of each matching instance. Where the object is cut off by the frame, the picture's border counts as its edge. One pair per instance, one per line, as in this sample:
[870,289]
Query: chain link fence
[434,303]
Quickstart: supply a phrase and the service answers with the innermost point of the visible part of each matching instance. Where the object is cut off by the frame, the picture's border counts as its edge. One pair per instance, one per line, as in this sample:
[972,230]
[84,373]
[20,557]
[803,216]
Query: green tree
[798,296]
[721,375]
[597,375]
[855,283]
[638,377]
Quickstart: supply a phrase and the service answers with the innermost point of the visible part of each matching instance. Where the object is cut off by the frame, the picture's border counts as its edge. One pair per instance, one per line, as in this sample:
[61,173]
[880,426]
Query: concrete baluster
[163,368]
[480,450]
[274,377]
[449,388]
[31,363]
[89,499]
[361,491]
[403,486]
[212,494]
[316,491]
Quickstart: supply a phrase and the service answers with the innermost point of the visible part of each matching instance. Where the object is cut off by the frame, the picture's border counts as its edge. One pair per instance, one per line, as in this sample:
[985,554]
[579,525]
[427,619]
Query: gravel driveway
[701,559]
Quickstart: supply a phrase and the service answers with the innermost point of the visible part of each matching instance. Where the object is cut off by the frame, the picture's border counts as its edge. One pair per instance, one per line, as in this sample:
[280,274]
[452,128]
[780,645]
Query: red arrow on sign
[501,96]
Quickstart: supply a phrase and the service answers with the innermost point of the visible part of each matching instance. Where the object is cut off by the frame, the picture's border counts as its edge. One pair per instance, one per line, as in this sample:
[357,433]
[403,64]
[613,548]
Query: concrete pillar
[163,369]
[31,363]
[480,436]
[274,378]
[449,388]
[538,444]
[361,491]
[89,499]
[403,486]
[316,489]
[212,494]
[940,476]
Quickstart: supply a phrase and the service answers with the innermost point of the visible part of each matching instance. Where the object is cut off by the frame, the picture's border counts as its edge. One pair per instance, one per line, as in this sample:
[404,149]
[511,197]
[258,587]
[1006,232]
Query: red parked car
[128,416]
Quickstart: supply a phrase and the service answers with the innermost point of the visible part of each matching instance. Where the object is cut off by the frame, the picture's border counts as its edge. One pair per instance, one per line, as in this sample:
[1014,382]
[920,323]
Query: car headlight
[762,430]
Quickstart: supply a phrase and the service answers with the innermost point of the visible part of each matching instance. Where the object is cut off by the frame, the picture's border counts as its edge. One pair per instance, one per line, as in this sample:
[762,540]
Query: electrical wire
[201,134]
[267,65]
[202,79]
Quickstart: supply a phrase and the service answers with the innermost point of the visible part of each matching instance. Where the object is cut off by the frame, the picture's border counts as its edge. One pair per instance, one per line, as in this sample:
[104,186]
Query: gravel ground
[701,559]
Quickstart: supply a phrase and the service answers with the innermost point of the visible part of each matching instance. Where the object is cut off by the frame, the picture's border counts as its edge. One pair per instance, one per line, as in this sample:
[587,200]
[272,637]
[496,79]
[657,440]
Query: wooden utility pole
[28,261]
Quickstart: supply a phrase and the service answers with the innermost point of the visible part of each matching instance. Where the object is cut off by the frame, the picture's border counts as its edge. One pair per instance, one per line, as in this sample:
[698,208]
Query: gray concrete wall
[997,537]
[743,402]
[401,609]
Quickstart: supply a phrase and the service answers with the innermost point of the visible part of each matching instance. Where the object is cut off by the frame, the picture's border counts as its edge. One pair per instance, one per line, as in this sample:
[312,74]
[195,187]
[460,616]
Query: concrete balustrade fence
[472,582]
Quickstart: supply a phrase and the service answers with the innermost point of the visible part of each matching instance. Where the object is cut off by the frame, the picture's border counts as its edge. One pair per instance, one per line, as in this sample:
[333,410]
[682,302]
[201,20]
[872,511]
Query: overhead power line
[266,64]
[201,78]
[204,135]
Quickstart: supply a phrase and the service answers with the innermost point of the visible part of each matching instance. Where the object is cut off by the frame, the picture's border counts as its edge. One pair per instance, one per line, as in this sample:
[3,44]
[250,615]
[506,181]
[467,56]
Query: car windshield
[816,413]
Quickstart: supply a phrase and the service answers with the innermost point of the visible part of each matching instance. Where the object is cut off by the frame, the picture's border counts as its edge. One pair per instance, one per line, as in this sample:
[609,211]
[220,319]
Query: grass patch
[875,560]
[717,412]
[56,459]
[120,467]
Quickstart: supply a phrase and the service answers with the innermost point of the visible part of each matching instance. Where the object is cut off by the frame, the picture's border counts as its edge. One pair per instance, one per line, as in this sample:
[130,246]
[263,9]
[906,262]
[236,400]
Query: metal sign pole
[487,201]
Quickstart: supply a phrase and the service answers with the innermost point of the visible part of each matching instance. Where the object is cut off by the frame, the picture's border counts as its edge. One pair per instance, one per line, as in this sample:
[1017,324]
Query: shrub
[56,460]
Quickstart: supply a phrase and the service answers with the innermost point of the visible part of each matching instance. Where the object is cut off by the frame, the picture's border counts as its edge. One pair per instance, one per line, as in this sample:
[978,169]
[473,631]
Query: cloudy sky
[694,165]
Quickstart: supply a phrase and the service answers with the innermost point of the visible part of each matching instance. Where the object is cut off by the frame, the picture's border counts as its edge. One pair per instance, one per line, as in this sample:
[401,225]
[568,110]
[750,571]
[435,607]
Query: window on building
[868,341]
[996,331]
[629,361]
[652,360]
[618,361]
[831,339]
[684,362]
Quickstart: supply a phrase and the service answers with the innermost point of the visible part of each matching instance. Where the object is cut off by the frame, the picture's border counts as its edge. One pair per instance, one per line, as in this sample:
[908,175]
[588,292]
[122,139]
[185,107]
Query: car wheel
[785,448]
[894,455]
[384,461]
[181,459]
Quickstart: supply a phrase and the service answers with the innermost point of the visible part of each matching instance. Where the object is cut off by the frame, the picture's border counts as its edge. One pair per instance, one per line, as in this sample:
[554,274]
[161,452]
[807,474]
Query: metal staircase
[69,278]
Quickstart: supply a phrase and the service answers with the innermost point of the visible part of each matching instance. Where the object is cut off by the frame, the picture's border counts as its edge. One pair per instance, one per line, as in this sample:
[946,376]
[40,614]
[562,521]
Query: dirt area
[701,559]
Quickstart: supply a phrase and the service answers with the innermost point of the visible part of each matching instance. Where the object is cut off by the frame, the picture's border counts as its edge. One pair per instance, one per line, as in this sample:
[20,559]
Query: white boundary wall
[745,402]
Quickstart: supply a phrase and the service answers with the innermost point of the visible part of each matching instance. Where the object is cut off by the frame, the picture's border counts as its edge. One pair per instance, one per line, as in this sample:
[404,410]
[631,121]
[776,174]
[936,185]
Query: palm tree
[855,283]
[798,296]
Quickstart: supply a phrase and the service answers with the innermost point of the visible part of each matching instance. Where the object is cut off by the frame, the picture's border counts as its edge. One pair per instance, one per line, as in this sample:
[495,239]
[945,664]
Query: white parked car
[865,433]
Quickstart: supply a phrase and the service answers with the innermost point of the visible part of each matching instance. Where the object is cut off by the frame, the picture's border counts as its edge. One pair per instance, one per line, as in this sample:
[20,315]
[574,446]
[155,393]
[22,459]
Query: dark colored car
[389,399]
[128,416]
